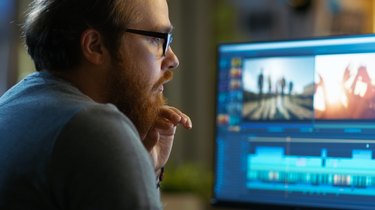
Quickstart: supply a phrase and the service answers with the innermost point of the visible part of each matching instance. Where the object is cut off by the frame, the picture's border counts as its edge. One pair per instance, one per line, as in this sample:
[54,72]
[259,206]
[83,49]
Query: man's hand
[159,139]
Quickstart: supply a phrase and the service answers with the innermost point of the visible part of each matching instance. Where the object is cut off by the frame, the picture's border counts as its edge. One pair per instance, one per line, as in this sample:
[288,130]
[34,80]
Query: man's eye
[157,40]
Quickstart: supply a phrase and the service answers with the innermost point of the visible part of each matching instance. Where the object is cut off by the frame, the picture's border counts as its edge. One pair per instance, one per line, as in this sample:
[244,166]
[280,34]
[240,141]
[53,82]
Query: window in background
[290,19]
[6,31]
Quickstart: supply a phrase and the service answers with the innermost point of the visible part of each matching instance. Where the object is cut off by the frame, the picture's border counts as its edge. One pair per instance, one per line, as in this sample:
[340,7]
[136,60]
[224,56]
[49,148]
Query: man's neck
[88,82]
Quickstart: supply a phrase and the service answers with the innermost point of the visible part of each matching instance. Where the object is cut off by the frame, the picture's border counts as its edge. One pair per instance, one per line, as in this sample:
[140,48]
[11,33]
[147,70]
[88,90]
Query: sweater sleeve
[99,162]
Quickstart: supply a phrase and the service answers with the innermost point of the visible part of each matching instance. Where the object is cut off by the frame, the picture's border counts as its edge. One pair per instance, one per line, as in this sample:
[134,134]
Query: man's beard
[130,93]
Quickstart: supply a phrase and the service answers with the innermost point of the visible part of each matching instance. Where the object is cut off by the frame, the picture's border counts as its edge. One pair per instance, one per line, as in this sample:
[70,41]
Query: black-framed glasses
[167,37]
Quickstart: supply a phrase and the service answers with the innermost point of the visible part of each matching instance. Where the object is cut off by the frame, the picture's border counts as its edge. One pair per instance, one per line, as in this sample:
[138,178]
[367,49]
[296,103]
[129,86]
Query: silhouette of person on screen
[290,89]
[269,84]
[282,85]
[260,86]
[90,129]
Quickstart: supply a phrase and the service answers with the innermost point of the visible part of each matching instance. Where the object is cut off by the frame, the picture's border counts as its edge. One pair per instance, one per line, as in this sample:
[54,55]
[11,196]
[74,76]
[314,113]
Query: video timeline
[312,166]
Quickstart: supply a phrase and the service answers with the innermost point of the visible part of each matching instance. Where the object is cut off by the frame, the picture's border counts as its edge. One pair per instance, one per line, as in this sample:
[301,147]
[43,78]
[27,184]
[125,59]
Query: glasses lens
[168,43]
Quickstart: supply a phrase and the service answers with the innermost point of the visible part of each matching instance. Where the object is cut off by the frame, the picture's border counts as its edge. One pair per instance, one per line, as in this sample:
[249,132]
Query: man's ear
[92,47]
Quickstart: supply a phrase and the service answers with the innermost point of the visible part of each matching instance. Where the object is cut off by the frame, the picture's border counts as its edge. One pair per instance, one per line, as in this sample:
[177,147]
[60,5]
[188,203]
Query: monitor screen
[295,123]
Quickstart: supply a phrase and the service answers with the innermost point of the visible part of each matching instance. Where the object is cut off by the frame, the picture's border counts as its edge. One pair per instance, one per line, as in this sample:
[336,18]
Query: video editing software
[295,123]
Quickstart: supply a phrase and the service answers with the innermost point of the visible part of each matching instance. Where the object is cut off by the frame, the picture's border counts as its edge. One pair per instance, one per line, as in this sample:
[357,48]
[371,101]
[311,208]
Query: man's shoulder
[103,116]
[43,89]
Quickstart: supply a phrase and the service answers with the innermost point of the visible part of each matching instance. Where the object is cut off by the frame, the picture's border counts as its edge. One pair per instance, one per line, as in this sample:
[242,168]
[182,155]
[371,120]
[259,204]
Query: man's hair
[53,29]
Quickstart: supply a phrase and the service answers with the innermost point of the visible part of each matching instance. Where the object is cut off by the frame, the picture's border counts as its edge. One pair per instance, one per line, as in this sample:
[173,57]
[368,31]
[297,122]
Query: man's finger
[176,116]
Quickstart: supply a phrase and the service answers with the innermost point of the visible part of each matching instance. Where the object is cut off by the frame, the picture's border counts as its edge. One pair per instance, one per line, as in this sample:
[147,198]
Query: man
[90,129]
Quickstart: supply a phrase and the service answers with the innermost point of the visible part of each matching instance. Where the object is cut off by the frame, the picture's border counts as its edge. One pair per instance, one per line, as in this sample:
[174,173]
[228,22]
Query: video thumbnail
[345,86]
[278,88]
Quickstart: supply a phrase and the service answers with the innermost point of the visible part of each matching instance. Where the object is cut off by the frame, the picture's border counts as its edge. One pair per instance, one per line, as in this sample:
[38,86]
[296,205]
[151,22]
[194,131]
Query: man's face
[136,82]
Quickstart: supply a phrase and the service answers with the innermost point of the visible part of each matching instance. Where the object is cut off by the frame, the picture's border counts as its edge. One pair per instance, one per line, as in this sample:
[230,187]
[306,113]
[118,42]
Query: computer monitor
[295,124]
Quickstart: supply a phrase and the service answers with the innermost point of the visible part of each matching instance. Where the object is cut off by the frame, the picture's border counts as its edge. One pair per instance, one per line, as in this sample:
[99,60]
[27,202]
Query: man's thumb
[151,139]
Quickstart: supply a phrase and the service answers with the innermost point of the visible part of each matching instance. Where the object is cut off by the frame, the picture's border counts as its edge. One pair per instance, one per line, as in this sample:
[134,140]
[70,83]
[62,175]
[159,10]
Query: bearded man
[90,129]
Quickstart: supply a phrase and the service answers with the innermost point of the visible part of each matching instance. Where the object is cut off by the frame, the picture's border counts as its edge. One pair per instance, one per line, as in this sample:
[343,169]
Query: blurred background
[200,25]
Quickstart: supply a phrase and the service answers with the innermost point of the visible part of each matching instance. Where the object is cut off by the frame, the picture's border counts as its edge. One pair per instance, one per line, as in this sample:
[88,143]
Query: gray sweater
[61,150]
